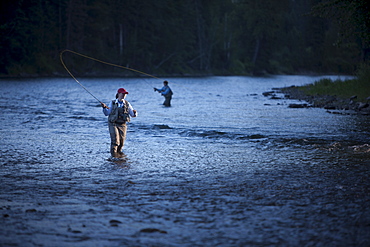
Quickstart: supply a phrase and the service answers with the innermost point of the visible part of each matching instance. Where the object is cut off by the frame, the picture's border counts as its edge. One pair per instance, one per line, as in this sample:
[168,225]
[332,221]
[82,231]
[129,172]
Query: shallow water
[223,166]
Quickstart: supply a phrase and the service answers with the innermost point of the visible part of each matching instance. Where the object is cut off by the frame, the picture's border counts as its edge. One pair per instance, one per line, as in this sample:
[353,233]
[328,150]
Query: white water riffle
[224,165]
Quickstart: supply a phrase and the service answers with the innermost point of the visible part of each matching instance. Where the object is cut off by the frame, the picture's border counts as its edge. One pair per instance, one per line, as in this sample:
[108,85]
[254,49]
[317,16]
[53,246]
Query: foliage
[359,86]
[180,37]
[353,17]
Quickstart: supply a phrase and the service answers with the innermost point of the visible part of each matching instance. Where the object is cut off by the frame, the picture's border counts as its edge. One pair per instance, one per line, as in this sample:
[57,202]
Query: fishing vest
[119,115]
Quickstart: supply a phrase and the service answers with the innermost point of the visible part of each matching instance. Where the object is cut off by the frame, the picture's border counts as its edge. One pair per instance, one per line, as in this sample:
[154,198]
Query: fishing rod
[97,60]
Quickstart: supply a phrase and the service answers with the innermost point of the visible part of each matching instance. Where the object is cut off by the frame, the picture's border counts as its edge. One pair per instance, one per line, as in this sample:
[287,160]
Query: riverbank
[332,103]
[349,96]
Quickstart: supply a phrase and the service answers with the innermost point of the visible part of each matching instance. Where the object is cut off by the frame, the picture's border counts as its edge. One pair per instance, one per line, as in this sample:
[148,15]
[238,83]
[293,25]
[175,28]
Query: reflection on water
[224,165]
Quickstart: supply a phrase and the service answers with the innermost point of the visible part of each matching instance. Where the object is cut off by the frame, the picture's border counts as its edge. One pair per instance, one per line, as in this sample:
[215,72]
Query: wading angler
[119,112]
[166,93]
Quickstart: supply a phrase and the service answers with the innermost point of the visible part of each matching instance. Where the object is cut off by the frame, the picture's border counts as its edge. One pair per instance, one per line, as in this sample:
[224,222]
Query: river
[223,166]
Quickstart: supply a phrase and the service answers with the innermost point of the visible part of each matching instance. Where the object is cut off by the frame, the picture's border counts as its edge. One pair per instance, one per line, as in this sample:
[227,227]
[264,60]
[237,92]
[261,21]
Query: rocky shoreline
[331,103]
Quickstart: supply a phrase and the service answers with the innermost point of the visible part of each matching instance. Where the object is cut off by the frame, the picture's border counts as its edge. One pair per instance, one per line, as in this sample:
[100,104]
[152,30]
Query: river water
[224,166]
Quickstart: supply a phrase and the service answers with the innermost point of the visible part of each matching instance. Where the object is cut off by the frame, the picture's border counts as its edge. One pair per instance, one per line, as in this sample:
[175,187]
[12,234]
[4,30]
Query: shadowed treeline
[182,37]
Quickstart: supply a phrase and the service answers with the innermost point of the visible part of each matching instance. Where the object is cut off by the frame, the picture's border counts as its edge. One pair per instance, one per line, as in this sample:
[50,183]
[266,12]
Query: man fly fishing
[166,93]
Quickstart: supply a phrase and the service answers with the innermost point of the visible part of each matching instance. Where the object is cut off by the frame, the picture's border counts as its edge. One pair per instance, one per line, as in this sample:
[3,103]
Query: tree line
[184,37]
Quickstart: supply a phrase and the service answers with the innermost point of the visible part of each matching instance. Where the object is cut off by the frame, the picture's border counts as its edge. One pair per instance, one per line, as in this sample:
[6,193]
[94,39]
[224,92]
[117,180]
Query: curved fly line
[97,60]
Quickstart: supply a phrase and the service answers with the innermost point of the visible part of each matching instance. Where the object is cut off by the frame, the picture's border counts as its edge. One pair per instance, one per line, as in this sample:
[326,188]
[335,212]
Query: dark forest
[184,37]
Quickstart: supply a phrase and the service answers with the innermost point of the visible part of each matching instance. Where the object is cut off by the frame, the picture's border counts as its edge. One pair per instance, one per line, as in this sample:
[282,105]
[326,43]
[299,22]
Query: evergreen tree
[183,36]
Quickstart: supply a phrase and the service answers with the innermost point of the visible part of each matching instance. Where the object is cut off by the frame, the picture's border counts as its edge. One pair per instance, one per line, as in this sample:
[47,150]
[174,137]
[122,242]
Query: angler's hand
[135,113]
[155,89]
[103,105]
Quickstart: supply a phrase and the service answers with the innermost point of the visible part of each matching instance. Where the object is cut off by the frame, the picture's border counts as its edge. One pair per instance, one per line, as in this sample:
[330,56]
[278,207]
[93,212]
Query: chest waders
[117,128]
[167,98]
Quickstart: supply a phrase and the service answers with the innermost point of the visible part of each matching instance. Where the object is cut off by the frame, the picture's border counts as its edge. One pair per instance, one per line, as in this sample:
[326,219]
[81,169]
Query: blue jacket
[165,91]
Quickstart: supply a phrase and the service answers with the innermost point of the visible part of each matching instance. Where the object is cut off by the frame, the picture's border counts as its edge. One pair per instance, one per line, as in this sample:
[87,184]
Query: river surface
[224,166]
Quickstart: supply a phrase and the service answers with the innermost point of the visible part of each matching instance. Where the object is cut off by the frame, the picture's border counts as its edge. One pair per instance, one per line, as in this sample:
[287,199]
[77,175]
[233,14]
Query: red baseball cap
[122,90]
